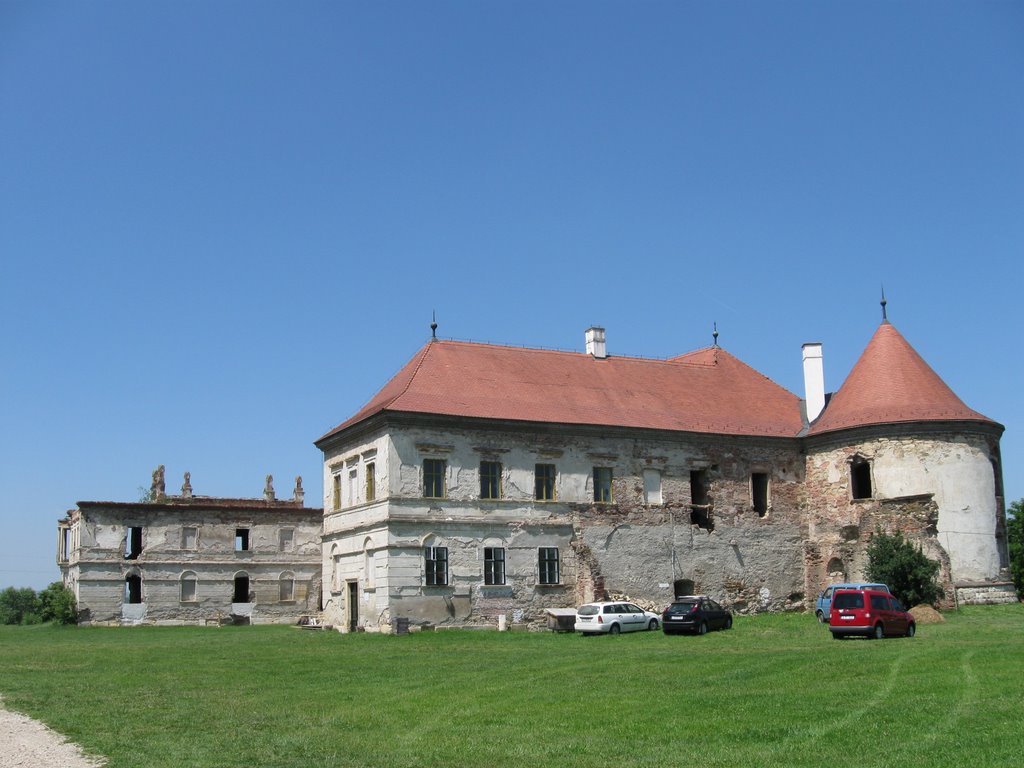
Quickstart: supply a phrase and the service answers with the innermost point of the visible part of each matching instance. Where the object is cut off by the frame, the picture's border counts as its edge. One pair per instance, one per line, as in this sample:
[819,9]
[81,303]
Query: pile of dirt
[925,614]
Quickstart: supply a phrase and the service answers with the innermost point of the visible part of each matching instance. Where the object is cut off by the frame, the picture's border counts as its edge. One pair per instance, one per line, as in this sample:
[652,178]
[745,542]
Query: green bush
[20,606]
[1015,540]
[911,576]
[58,605]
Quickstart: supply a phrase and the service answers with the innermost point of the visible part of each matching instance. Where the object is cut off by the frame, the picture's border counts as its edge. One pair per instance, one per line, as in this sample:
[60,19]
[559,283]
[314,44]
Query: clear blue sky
[224,225]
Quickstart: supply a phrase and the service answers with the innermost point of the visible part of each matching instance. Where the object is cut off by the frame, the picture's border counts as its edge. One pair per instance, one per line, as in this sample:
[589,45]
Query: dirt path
[27,743]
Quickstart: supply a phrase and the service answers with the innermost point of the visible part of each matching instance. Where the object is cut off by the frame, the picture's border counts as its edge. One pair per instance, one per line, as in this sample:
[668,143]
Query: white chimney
[814,380]
[595,342]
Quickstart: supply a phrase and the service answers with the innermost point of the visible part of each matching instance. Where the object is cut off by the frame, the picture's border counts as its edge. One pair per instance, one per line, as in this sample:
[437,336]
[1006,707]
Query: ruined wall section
[938,489]
[195,542]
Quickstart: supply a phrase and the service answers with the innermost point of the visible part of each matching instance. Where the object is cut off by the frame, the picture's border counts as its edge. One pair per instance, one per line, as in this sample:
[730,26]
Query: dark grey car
[695,615]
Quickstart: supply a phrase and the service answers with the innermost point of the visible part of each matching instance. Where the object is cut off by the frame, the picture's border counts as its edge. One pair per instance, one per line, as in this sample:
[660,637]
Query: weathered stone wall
[937,489]
[97,566]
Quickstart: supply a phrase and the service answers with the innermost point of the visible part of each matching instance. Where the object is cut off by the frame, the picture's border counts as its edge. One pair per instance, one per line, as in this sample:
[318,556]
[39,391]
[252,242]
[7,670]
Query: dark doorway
[133,589]
[241,593]
[353,606]
[683,587]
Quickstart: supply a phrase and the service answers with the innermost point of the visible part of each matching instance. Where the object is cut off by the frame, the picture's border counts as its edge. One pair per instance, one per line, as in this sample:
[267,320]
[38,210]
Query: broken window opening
[603,485]
[133,542]
[189,584]
[133,589]
[287,587]
[65,544]
[652,486]
[494,566]
[860,478]
[759,492]
[286,539]
[547,560]
[435,560]
[241,590]
[702,519]
[336,491]
[699,487]
[241,540]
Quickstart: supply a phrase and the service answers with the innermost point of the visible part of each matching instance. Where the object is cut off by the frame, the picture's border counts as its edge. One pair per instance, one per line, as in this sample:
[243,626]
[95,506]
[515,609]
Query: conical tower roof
[891,383]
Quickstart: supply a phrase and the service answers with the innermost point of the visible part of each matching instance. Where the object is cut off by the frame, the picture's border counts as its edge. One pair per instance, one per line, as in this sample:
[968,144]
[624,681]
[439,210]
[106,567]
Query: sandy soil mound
[925,614]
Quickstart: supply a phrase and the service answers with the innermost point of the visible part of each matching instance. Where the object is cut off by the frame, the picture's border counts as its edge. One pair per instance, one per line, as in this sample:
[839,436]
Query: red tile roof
[707,391]
[889,384]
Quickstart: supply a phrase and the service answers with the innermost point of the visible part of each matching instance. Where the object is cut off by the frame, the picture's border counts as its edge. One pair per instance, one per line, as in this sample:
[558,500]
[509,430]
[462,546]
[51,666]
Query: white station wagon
[614,617]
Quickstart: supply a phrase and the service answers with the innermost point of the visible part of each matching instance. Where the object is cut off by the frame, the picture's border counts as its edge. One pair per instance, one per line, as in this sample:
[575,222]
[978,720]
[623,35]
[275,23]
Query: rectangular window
[490,480]
[435,560]
[494,565]
[133,542]
[286,539]
[371,482]
[652,486]
[759,492]
[241,540]
[544,482]
[603,485]
[336,495]
[547,560]
[189,537]
[433,478]
[860,479]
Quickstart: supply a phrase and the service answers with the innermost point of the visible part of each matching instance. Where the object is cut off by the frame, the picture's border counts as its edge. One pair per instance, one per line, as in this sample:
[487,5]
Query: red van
[872,613]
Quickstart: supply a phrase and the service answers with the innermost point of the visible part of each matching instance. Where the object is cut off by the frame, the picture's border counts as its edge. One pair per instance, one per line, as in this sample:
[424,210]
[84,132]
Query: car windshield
[848,600]
[589,610]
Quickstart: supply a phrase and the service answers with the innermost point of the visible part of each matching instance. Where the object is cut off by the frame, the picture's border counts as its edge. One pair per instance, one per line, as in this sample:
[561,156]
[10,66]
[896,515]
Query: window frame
[545,565]
[435,566]
[494,567]
[545,478]
[195,538]
[336,490]
[371,481]
[434,475]
[189,577]
[490,480]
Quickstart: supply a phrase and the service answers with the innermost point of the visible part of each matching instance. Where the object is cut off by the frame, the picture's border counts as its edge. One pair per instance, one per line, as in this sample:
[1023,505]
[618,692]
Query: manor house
[485,481]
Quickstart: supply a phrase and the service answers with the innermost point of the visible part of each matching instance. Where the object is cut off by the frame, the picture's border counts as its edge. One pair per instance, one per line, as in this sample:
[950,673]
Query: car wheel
[614,629]
[879,632]
[821,617]
[653,625]
[911,630]
[728,622]
[703,628]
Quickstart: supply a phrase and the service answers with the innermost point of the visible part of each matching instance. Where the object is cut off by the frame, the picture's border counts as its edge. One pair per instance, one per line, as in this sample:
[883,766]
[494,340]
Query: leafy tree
[911,576]
[58,604]
[1015,540]
[19,606]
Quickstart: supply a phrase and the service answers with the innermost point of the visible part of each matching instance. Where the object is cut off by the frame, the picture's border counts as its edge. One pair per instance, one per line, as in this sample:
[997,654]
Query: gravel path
[27,743]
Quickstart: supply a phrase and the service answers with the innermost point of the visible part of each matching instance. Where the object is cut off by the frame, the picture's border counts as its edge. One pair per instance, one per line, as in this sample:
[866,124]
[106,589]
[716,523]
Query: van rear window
[848,600]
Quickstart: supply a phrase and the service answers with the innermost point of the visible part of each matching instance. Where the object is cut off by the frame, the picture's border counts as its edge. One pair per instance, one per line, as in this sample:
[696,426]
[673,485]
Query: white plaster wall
[959,474]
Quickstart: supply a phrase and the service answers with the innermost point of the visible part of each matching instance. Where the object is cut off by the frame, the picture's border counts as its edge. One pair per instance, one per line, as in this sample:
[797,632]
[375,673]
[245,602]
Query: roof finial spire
[433,324]
[714,334]
[885,318]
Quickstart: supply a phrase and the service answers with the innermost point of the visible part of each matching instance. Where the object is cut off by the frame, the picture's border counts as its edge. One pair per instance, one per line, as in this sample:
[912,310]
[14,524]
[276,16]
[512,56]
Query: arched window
[287,587]
[836,569]
[189,587]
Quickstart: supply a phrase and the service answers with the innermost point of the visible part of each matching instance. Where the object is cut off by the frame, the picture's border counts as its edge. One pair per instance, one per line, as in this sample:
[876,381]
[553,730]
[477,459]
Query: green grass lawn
[773,691]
